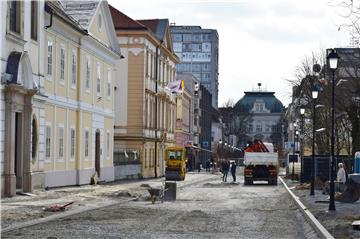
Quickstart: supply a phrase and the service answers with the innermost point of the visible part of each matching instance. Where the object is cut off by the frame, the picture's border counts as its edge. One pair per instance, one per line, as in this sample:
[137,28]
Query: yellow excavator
[175,158]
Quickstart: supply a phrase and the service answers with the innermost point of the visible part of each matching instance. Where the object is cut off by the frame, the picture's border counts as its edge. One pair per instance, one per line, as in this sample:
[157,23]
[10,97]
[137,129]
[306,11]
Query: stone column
[9,156]
[27,160]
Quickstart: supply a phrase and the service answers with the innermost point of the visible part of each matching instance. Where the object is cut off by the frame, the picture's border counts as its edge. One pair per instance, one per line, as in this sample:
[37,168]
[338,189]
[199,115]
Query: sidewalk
[21,210]
[338,223]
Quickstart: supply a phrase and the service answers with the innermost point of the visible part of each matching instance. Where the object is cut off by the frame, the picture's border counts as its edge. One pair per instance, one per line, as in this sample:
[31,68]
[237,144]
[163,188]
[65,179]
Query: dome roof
[246,103]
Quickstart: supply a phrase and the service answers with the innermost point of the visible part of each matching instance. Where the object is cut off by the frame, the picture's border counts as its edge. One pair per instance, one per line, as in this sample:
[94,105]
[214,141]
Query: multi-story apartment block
[58,60]
[145,117]
[198,50]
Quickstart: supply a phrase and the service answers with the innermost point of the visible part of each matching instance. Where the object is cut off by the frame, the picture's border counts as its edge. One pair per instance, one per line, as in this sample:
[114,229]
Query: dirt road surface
[206,209]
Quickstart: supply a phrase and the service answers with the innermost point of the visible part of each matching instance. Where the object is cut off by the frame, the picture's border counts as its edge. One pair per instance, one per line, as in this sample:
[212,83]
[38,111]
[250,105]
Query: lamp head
[302,111]
[333,58]
[314,94]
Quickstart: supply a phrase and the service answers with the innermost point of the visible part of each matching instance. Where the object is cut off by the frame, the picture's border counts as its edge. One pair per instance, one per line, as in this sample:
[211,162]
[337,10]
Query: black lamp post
[302,113]
[314,94]
[332,58]
[293,158]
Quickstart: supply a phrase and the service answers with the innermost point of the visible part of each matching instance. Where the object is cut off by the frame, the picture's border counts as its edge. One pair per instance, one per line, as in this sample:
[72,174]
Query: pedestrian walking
[225,169]
[233,171]
[207,165]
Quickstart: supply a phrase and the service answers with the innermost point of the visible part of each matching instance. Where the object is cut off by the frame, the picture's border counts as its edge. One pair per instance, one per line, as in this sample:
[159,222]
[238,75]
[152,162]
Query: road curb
[320,229]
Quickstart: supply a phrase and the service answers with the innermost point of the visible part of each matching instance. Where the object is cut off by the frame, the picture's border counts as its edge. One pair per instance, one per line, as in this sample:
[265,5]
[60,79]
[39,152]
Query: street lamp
[302,113]
[332,58]
[314,95]
[293,158]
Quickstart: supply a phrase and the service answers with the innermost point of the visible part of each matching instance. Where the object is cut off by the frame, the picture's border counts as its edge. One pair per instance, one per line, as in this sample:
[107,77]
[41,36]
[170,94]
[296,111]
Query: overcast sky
[259,40]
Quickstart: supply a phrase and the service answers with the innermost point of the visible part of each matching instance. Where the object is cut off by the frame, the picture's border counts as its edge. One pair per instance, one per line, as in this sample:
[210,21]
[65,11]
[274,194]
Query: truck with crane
[261,163]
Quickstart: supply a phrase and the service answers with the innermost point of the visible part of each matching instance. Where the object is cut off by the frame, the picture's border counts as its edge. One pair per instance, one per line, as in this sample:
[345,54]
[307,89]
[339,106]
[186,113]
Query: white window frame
[98,79]
[72,143]
[49,60]
[108,145]
[88,75]
[48,125]
[61,146]
[109,84]
[62,72]
[86,143]
[73,69]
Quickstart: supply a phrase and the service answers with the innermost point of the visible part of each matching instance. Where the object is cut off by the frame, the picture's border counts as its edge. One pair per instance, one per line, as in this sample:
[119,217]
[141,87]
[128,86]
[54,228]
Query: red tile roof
[121,21]
[150,23]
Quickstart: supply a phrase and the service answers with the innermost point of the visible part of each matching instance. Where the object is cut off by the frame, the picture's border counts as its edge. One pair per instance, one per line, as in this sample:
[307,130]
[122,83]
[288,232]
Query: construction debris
[351,194]
[57,207]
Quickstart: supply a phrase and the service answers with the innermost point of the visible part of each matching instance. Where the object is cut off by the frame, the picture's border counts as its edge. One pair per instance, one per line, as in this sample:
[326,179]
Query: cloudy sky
[259,40]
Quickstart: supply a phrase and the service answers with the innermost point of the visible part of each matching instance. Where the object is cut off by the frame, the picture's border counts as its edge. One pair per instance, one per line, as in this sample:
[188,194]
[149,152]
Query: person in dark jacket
[225,169]
[233,171]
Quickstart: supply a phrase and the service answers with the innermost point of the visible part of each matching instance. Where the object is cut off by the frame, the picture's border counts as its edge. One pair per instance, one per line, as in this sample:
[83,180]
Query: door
[97,153]
[18,157]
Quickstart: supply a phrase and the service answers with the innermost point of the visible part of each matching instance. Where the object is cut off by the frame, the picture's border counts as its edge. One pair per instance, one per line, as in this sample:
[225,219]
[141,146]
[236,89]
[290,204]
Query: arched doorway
[19,91]
[97,152]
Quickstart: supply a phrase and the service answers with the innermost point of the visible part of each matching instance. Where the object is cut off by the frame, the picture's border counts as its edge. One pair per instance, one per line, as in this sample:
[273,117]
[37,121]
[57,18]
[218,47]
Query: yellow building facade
[57,98]
[146,113]
[79,75]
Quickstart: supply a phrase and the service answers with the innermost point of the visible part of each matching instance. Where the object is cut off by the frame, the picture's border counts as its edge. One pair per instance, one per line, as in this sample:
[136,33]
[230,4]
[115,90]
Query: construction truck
[175,158]
[261,163]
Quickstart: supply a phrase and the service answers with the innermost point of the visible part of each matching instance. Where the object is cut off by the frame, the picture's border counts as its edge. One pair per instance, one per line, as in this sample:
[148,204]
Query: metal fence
[322,166]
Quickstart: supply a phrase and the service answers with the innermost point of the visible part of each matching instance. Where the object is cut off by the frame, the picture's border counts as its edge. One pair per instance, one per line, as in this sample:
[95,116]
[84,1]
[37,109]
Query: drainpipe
[156,106]
[51,20]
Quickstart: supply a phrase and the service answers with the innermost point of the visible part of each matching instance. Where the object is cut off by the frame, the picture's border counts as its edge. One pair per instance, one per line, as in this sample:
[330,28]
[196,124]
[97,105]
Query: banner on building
[176,87]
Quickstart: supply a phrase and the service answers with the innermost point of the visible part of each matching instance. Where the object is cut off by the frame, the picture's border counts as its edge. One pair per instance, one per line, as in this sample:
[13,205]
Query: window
[177,37]
[48,141]
[34,20]
[108,145]
[197,37]
[187,37]
[258,126]
[72,143]
[196,47]
[99,23]
[87,81]
[62,64]
[86,143]
[34,138]
[61,141]
[15,16]
[73,69]
[109,84]
[98,80]
[49,58]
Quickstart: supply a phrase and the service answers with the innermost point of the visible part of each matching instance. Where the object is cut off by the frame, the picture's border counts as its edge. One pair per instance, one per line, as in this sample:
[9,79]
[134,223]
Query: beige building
[145,117]
[58,61]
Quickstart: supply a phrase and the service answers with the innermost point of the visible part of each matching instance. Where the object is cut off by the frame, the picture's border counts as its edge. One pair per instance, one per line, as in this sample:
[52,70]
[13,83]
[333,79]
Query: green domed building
[258,115]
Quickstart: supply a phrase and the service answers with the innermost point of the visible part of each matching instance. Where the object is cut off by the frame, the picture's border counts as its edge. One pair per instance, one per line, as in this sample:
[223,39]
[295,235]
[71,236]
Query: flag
[176,86]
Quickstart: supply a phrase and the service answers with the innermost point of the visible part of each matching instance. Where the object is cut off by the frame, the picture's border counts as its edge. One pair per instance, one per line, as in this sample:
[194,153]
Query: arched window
[34,138]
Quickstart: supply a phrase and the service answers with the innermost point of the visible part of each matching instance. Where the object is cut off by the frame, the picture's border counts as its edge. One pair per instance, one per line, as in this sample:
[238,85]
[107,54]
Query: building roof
[157,26]
[57,8]
[81,11]
[245,104]
[123,22]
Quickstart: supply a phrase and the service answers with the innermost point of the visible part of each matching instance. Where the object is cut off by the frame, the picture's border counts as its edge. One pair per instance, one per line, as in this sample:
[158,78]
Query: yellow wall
[102,34]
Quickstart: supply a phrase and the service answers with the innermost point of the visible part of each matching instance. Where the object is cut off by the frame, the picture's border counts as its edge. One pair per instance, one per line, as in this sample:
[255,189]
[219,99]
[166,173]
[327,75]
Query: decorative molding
[136,51]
